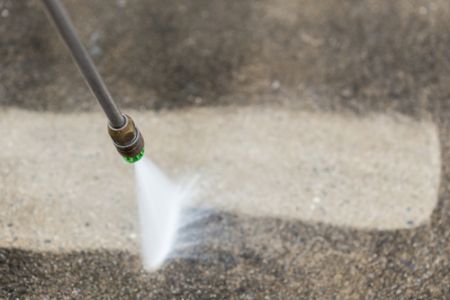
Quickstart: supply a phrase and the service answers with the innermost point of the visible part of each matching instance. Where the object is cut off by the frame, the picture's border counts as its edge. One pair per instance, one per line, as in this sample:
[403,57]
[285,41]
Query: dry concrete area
[63,183]
[320,131]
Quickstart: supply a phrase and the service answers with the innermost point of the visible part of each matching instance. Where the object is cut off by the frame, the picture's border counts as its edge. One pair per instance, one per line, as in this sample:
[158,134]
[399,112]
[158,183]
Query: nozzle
[128,140]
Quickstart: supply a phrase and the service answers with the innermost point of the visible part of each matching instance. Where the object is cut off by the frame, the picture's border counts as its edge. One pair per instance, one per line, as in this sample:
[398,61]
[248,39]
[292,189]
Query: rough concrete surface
[349,58]
[372,54]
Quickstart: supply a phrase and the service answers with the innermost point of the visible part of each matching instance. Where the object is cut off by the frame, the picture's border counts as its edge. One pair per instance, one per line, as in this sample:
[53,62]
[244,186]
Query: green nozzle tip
[134,159]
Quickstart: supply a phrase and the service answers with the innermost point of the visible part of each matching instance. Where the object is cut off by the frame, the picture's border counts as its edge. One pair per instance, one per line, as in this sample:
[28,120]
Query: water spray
[161,202]
[125,135]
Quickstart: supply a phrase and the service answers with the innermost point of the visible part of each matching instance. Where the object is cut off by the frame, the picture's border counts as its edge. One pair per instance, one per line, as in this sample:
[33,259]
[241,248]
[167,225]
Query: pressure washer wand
[125,135]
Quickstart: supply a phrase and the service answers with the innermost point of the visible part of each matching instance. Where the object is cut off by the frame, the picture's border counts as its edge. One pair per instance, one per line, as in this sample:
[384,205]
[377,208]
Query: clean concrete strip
[62,185]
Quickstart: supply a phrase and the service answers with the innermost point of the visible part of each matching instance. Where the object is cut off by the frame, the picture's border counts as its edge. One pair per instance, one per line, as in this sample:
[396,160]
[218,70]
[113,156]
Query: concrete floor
[277,79]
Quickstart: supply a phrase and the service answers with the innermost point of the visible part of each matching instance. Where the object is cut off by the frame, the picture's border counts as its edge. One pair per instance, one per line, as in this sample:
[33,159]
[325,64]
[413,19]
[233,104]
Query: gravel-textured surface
[249,258]
[357,55]
[372,54]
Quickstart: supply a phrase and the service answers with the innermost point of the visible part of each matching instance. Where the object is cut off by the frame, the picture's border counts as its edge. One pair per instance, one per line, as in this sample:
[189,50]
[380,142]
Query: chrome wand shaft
[65,27]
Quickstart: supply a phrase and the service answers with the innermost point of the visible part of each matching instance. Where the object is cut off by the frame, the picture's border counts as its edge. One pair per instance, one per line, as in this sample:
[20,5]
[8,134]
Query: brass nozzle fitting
[128,140]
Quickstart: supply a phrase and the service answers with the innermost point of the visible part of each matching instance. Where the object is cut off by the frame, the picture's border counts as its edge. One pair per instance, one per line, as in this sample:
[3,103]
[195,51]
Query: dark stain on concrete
[357,55]
[153,53]
[187,52]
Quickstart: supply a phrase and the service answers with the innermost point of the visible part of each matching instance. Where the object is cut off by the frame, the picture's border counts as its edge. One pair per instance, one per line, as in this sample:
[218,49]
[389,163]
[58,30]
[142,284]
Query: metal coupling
[128,140]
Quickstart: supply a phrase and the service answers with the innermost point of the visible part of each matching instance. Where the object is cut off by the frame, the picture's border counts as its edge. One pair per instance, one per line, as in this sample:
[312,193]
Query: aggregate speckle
[357,56]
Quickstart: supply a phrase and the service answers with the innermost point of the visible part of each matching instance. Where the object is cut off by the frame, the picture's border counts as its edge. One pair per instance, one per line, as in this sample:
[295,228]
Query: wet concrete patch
[249,258]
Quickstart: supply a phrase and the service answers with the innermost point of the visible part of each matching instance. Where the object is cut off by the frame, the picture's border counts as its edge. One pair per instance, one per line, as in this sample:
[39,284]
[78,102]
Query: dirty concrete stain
[350,53]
